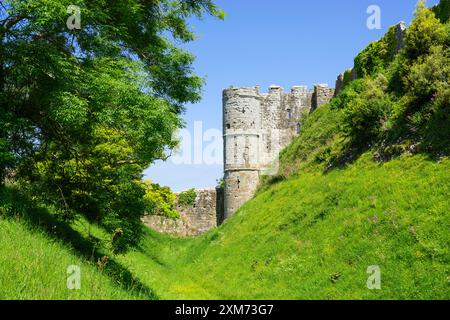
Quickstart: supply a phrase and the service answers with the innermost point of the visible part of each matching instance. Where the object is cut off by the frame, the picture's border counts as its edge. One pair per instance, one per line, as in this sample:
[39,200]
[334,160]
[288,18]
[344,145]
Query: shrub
[377,56]
[425,32]
[187,198]
[161,201]
[429,75]
[366,106]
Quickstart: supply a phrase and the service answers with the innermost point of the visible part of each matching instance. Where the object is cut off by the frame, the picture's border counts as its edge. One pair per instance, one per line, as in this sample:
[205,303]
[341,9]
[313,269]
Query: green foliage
[442,10]
[399,101]
[347,77]
[425,32]
[366,107]
[187,198]
[377,55]
[161,201]
[89,110]
[428,109]
[101,181]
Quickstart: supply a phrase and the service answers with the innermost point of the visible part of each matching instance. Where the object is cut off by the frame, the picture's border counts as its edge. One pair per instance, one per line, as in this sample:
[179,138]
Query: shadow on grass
[16,205]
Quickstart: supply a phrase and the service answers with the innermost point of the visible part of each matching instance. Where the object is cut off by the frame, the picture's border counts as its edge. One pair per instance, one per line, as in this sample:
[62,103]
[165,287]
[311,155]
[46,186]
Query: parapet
[300,90]
[241,91]
[275,89]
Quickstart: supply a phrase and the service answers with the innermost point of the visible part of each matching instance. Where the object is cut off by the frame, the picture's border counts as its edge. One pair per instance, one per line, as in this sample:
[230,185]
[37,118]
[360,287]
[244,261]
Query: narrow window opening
[289,111]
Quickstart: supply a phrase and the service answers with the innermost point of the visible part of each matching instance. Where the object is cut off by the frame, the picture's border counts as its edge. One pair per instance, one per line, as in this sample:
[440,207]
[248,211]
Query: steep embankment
[34,258]
[314,236]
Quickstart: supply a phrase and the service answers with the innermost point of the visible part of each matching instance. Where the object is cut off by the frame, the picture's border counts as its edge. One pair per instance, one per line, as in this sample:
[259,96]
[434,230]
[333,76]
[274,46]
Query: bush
[366,106]
[161,201]
[429,75]
[425,32]
[187,198]
[377,56]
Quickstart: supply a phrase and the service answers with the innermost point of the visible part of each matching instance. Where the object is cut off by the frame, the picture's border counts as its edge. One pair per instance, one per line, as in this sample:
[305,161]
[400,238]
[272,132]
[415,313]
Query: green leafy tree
[425,32]
[84,112]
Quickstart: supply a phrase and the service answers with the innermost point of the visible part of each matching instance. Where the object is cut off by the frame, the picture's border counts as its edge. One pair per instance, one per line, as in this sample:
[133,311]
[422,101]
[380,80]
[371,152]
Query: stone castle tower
[257,126]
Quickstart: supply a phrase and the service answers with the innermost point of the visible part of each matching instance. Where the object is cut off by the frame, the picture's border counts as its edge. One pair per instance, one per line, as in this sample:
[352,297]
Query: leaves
[89,110]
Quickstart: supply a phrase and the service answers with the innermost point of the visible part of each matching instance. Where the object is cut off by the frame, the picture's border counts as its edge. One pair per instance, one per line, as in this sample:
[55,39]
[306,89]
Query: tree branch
[10,22]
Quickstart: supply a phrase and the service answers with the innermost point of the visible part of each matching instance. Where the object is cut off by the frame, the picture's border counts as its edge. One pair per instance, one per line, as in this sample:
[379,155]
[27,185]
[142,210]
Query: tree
[84,111]
[425,32]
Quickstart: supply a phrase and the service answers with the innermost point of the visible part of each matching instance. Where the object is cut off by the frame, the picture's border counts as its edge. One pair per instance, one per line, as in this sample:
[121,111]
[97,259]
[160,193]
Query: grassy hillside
[34,267]
[36,251]
[315,238]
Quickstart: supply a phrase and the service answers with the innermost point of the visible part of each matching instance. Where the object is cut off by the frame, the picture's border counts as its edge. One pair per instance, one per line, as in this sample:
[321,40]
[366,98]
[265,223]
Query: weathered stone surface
[339,83]
[400,32]
[195,219]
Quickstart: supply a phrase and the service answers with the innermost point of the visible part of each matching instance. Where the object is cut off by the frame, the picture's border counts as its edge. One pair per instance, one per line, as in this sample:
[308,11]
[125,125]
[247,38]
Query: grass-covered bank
[36,249]
[316,237]
[34,266]
[312,236]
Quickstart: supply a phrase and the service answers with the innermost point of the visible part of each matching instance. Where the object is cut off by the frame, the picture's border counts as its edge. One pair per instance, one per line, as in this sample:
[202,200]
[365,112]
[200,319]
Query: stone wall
[322,95]
[195,219]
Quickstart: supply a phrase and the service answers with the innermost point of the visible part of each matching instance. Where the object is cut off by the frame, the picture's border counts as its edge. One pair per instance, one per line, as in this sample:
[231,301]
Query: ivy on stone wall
[377,56]
[347,78]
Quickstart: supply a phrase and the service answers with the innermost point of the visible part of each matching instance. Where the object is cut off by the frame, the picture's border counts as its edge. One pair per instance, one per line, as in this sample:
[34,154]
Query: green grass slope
[34,257]
[314,236]
[33,266]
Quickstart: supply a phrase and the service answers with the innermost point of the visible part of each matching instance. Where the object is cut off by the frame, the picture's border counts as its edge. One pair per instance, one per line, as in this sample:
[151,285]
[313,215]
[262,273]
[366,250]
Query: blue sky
[262,42]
